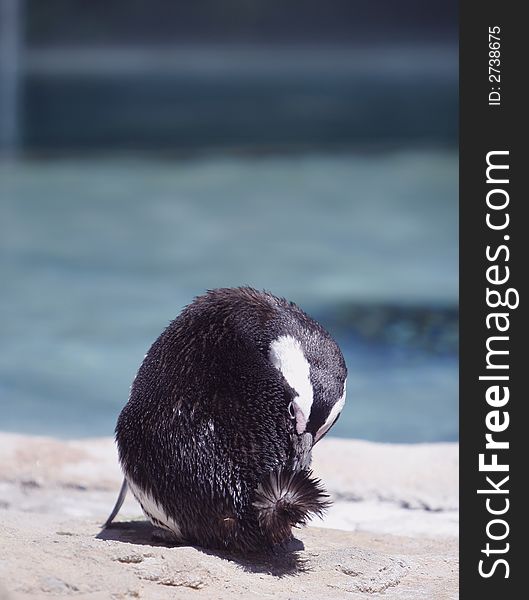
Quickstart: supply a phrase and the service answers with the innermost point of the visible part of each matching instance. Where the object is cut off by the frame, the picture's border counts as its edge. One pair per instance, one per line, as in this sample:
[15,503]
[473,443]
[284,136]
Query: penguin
[215,441]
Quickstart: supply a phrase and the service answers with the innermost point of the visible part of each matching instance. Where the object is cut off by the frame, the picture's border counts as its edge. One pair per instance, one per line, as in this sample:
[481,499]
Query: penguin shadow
[282,561]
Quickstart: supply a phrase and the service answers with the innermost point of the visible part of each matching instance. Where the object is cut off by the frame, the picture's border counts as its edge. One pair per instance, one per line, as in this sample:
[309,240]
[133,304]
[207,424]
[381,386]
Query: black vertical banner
[494,256]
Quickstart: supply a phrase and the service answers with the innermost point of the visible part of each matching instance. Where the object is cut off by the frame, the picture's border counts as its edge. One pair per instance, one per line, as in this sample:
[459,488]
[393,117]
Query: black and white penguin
[215,441]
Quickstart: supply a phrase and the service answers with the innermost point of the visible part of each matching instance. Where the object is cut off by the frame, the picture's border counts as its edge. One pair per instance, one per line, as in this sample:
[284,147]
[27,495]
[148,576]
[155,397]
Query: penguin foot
[164,536]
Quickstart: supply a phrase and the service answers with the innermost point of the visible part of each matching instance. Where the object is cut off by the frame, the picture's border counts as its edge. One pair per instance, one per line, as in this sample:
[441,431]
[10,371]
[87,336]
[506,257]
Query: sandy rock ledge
[48,557]
[399,504]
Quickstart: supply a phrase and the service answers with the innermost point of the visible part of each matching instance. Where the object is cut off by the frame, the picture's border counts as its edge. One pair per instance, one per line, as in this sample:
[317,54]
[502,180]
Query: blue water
[97,256]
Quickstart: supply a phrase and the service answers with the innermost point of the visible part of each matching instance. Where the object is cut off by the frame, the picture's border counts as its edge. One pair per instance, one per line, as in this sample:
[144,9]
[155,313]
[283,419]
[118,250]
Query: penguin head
[310,362]
[314,368]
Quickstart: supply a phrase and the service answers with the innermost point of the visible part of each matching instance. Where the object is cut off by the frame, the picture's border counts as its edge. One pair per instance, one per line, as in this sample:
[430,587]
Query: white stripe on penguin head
[333,415]
[287,356]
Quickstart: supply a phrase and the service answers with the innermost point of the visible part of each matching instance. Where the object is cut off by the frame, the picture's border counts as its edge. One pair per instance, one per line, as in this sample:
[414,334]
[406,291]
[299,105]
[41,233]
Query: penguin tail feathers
[287,499]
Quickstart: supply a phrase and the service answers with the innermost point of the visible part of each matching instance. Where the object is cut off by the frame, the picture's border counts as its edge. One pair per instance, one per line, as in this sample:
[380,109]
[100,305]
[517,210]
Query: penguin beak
[301,419]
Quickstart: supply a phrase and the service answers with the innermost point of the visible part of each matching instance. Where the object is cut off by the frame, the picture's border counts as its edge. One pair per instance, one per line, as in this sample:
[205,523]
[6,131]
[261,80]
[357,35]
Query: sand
[391,533]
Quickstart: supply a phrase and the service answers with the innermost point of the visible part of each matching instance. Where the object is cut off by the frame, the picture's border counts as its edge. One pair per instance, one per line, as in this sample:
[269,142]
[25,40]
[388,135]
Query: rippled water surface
[98,255]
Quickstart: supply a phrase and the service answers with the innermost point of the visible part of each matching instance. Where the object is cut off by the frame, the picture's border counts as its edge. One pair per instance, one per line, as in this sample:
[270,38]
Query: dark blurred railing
[194,97]
[156,75]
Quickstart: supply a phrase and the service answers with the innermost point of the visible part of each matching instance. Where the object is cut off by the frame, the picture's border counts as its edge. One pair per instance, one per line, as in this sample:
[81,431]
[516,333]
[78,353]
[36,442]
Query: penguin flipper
[119,503]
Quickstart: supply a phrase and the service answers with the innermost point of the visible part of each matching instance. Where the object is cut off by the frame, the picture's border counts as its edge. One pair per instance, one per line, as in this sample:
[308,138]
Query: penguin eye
[291,411]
